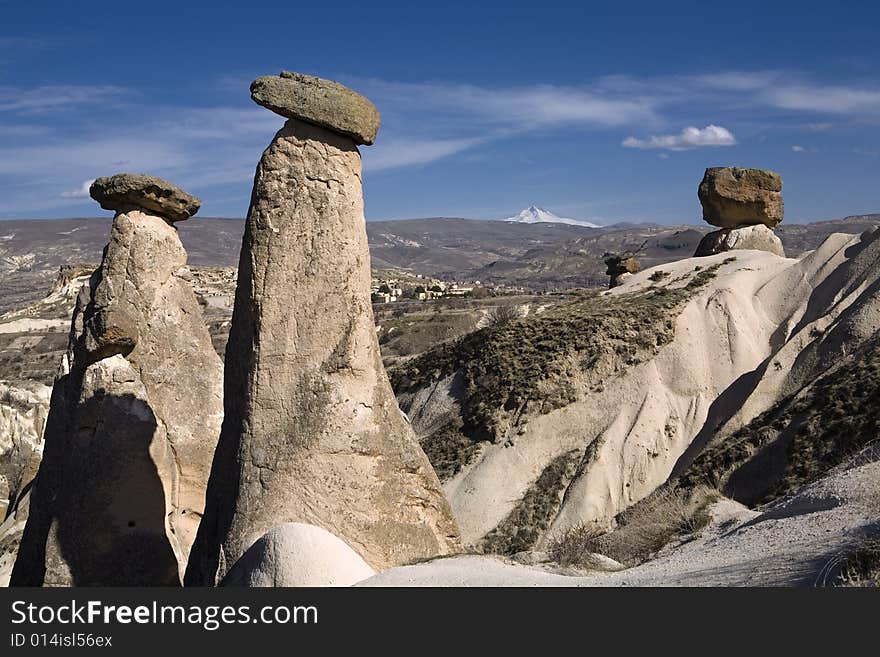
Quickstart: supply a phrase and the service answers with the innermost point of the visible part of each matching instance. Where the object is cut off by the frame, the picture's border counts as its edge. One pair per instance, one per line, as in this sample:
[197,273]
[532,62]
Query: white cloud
[93,156]
[54,97]
[798,149]
[737,81]
[690,137]
[824,99]
[397,153]
[746,91]
[221,123]
[81,192]
[105,129]
[516,108]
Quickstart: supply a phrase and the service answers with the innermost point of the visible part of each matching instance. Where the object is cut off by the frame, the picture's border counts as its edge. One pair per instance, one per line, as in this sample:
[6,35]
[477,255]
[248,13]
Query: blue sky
[592,110]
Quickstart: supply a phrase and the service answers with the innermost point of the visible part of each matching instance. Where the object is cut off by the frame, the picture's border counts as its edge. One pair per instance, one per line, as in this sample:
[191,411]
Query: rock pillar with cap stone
[747,204]
[135,411]
[312,432]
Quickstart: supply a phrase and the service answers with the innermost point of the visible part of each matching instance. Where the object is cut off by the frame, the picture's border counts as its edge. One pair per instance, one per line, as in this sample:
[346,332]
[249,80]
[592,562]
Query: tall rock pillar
[312,432]
[135,412]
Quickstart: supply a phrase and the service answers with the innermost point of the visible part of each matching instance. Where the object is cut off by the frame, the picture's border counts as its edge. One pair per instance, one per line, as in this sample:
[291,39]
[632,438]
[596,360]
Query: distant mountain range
[536,215]
[536,256]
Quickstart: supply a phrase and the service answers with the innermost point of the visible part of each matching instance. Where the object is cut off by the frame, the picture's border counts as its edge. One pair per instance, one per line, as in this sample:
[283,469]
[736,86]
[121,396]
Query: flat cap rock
[127,191]
[732,196]
[321,102]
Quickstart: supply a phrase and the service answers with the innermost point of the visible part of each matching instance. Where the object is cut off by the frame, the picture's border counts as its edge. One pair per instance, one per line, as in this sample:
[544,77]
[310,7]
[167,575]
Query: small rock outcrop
[747,204]
[134,418]
[620,267]
[296,554]
[312,432]
[319,102]
[135,191]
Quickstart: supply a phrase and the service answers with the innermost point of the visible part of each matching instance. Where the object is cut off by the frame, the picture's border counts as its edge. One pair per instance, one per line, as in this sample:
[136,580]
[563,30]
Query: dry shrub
[574,546]
[502,315]
[861,566]
[643,529]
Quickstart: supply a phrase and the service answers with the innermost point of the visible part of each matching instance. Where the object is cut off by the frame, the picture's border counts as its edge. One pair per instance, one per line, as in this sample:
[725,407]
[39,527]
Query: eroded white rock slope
[797,541]
[760,329]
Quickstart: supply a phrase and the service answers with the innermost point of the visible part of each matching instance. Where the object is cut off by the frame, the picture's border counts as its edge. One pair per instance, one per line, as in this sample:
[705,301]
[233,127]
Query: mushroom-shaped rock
[132,425]
[732,196]
[321,102]
[312,432]
[757,238]
[298,554]
[135,191]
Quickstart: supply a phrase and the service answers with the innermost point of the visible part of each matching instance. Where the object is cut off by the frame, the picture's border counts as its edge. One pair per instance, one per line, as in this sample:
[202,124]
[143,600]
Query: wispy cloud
[397,153]
[55,97]
[824,99]
[22,42]
[752,90]
[106,129]
[91,155]
[23,130]
[518,108]
[690,137]
[81,192]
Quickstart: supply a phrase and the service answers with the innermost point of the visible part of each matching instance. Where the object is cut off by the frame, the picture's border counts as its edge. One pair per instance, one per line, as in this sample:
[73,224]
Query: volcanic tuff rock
[296,554]
[733,197]
[23,412]
[312,432]
[759,238]
[134,417]
[583,437]
[320,102]
[135,191]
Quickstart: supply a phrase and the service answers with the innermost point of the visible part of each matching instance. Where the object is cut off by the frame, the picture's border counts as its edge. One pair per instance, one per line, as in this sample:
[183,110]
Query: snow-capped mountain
[536,215]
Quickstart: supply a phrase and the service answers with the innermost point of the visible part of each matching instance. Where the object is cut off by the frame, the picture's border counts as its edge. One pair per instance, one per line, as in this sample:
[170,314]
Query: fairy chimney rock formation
[312,432]
[135,411]
[746,204]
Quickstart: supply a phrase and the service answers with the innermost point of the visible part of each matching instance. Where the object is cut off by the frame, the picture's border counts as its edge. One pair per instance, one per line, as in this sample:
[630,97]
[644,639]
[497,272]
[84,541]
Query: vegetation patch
[574,546]
[861,566]
[526,364]
[813,431]
[413,333]
[643,529]
[523,526]
[449,450]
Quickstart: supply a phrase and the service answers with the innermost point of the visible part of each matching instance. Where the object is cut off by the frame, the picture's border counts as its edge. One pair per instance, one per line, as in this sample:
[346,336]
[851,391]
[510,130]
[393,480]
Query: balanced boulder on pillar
[747,204]
[312,432]
[135,412]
